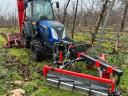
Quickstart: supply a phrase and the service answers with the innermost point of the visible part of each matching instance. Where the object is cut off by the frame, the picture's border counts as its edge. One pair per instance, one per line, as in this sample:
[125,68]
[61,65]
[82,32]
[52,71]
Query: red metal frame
[46,69]
[21,12]
[14,40]
[61,57]
[97,63]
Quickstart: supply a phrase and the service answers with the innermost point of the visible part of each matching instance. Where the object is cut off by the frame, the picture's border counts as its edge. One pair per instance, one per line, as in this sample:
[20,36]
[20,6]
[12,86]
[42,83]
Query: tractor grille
[59,32]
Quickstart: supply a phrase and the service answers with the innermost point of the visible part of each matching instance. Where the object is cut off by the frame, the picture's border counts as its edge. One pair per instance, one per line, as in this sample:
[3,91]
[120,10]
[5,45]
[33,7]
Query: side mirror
[57,5]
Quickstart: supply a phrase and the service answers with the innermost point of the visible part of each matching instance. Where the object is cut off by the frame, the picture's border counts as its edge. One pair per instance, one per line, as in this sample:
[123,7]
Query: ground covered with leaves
[19,71]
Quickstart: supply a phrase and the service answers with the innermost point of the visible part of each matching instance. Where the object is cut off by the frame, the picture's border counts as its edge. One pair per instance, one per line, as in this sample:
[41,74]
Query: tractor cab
[39,10]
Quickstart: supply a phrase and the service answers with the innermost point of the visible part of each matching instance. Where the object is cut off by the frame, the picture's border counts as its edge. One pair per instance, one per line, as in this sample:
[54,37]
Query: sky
[12,5]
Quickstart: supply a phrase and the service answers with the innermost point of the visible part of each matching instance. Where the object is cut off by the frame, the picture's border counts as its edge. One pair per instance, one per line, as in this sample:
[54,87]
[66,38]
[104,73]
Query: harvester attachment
[86,84]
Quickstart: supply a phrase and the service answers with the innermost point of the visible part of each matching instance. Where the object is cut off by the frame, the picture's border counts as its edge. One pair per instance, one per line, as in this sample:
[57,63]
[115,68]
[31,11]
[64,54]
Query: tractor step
[80,82]
[14,40]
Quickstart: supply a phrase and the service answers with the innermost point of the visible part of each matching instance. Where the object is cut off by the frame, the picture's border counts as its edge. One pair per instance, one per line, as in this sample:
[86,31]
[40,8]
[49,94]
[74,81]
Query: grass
[9,30]
[50,91]
[25,58]
[2,40]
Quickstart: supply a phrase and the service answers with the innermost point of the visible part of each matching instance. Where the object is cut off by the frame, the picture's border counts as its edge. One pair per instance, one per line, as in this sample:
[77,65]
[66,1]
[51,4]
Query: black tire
[26,41]
[39,50]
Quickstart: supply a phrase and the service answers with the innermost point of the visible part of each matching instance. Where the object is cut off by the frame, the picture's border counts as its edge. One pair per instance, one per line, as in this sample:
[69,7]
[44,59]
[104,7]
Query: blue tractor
[41,30]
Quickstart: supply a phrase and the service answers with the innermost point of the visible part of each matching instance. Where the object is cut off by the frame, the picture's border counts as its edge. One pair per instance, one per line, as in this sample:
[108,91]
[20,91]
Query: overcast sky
[12,5]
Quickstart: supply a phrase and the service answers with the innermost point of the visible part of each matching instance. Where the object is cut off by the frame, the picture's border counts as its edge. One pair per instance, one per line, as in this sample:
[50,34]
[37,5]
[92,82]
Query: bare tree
[105,23]
[72,34]
[99,22]
[121,26]
[65,12]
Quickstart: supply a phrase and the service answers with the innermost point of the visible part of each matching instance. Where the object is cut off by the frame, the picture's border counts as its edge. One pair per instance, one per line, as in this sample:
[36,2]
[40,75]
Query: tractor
[40,28]
[45,36]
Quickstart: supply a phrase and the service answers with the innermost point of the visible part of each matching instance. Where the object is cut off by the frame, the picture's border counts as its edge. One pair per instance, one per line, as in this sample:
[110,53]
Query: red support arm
[21,11]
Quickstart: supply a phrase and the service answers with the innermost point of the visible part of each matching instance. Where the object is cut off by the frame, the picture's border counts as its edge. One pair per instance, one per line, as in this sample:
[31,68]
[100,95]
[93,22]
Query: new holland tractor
[45,36]
[40,28]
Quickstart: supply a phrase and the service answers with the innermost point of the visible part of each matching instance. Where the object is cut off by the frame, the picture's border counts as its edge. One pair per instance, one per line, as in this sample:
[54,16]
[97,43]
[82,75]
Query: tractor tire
[26,41]
[39,50]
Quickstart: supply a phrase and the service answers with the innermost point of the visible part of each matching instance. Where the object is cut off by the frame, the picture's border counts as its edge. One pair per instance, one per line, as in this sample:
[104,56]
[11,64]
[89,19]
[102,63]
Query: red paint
[61,57]
[97,64]
[78,55]
[21,11]
[110,70]
[105,75]
[45,71]
[81,75]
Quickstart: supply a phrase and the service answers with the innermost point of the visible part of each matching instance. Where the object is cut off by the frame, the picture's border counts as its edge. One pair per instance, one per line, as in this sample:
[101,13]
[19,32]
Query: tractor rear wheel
[39,50]
[26,41]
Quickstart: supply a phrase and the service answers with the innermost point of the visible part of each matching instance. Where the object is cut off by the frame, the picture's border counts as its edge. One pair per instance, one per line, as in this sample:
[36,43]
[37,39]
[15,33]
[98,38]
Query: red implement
[14,40]
[77,81]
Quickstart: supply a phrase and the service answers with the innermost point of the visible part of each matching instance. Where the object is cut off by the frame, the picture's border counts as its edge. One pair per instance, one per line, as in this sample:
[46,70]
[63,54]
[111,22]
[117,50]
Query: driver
[43,18]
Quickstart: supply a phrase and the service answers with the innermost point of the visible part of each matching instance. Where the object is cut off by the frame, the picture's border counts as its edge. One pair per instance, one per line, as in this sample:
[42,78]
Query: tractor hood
[56,24]
[58,27]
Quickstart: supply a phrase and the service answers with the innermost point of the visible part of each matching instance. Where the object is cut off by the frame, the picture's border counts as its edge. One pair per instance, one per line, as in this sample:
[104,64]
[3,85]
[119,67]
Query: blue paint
[46,34]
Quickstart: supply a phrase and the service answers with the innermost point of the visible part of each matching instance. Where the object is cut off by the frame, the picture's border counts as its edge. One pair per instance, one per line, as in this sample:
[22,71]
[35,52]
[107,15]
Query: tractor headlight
[64,34]
[54,34]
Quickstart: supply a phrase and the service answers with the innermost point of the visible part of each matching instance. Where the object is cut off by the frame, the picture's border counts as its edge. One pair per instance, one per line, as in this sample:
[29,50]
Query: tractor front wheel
[39,50]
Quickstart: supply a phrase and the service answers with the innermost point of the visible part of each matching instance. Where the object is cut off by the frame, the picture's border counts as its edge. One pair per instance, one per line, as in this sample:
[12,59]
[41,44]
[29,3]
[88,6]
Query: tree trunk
[65,12]
[72,34]
[121,27]
[105,24]
[99,22]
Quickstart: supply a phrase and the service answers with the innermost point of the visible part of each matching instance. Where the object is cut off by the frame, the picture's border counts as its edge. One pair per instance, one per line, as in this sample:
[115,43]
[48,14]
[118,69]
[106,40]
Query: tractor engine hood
[54,25]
